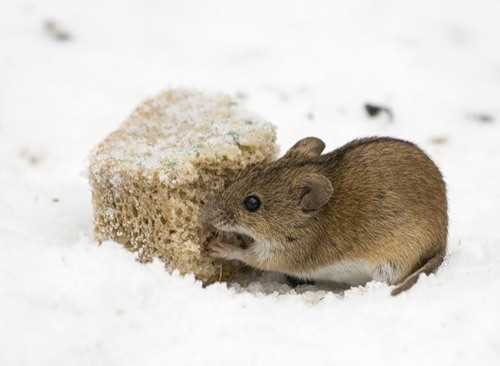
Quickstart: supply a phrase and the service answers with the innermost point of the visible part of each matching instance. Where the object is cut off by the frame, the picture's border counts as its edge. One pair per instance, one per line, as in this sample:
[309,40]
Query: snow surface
[306,66]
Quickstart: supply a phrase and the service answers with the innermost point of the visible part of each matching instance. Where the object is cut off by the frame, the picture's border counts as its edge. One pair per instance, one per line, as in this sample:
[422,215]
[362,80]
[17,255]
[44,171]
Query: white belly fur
[354,273]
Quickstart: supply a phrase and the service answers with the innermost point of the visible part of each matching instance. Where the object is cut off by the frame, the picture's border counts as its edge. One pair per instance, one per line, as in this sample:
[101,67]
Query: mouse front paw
[218,249]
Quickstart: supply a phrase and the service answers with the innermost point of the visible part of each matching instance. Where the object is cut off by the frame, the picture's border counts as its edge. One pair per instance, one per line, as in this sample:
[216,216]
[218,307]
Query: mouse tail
[430,266]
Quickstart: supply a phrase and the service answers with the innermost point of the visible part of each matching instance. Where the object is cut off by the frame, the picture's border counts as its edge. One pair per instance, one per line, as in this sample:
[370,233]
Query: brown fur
[386,205]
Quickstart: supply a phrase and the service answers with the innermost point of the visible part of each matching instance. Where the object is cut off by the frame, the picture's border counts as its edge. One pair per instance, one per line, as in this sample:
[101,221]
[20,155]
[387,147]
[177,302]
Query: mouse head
[273,201]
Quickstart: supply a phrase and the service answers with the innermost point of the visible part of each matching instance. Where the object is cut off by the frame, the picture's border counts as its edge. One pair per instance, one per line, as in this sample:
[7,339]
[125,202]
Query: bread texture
[150,177]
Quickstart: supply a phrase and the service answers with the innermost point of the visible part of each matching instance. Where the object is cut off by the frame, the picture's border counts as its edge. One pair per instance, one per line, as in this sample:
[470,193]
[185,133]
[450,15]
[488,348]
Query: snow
[306,66]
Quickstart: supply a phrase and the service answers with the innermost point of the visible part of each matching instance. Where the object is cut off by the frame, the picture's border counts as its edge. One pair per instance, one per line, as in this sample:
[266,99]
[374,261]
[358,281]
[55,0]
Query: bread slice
[150,176]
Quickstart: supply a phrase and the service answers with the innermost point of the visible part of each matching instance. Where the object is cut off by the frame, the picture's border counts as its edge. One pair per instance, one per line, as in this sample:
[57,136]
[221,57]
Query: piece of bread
[150,176]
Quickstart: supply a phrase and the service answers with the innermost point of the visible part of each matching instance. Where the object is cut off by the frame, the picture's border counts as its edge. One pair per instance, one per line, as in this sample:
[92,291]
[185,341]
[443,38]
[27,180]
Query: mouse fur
[373,209]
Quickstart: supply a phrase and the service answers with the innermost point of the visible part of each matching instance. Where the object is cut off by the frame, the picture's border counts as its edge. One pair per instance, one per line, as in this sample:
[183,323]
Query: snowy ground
[307,66]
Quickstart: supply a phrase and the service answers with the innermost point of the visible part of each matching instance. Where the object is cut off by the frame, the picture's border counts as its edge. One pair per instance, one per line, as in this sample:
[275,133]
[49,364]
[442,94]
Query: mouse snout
[214,213]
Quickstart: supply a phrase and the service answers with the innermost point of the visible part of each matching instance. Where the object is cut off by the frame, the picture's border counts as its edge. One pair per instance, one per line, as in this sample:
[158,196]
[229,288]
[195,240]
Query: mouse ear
[308,147]
[315,190]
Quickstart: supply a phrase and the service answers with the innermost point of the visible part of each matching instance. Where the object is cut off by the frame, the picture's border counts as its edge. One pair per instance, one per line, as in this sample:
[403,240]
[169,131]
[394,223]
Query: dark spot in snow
[439,140]
[310,116]
[485,118]
[376,110]
[241,95]
[55,31]
[55,199]
[33,158]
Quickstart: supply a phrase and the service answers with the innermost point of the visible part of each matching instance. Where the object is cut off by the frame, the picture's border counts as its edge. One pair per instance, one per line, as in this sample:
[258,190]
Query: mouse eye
[252,203]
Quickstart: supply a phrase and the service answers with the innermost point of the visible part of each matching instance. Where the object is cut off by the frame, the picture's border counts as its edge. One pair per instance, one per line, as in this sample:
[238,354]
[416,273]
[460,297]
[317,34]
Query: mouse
[374,209]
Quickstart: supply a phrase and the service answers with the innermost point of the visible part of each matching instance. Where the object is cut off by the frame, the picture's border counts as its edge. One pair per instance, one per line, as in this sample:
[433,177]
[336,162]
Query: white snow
[308,67]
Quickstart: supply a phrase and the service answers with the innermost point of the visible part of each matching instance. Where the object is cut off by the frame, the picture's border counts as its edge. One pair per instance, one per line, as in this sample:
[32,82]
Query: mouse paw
[224,251]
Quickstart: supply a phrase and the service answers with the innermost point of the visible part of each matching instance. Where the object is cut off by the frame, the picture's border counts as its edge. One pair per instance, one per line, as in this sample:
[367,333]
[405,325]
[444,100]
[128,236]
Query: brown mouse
[373,209]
